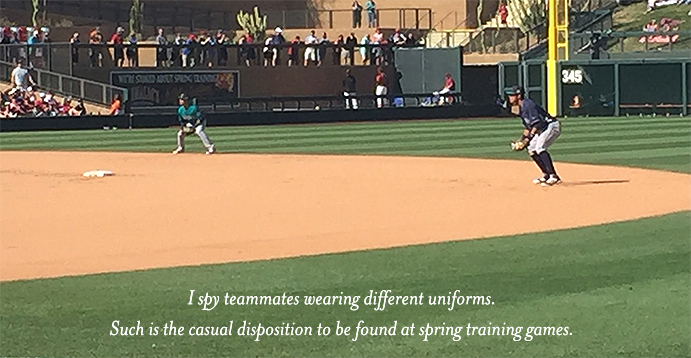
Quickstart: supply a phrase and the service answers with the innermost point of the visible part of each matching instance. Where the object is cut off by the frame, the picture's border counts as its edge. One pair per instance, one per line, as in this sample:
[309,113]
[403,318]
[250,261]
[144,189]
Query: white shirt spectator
[310,51]
[21,77]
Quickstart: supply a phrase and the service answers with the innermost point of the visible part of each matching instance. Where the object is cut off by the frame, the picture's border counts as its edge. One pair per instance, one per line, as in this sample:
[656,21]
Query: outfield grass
[658,143]
[622,289]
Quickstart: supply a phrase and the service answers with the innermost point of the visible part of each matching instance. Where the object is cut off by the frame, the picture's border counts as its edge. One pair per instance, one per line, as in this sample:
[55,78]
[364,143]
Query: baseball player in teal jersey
[191,121]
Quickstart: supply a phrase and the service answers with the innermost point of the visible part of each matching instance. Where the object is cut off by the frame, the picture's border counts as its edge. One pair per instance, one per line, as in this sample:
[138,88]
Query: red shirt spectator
[381,79]
[449,83]
[503,13]
[117,39]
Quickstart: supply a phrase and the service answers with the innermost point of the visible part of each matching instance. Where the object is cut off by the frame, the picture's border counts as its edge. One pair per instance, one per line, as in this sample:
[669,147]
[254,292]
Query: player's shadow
[596,182]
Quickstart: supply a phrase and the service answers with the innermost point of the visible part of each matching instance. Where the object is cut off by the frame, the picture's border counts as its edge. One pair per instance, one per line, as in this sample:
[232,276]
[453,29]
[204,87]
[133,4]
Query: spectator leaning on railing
[277,41]
[117,40]
[311,50]
[294,52]
[366,50]
[323,44]
[176,55]
[350,44]
[247,53]
[132,51]
[95,50]
[222,41]
[74,47]
[161,50]
[337,50]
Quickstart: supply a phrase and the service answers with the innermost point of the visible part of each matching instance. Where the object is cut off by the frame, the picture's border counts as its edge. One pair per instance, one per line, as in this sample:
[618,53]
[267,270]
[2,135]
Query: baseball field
[599,265]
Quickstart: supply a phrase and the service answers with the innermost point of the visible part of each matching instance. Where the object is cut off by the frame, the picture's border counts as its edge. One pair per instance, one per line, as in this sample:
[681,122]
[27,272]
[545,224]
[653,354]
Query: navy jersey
[534,116]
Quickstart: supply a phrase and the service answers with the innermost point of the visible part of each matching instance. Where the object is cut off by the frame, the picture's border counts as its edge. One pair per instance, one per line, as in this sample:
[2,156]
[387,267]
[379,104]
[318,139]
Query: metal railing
[299,103]
[448,36]
[67,85]
[47,56]
[455,24]
[501,40]
[64,57]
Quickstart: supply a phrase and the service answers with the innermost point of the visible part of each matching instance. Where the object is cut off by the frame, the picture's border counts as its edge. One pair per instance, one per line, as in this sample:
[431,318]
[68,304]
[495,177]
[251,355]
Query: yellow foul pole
[557,48]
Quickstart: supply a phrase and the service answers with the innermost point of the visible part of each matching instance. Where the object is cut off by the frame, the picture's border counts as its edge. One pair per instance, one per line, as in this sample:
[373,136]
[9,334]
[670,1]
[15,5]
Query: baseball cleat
[540,180]
[211,150]
[552,180]
[178,150]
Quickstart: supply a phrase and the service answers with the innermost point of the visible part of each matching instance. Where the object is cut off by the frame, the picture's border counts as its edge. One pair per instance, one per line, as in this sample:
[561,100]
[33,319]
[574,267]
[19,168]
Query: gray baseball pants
[542,141]
[199,131]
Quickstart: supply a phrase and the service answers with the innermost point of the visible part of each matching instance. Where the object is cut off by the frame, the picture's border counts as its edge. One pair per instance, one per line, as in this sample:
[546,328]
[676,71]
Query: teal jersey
[190,114]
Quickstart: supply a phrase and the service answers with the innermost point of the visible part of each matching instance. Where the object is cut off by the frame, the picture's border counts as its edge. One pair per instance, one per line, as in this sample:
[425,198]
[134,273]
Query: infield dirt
[161,210]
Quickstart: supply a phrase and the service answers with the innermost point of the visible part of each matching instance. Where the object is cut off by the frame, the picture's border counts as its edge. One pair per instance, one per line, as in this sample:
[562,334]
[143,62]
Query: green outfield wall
[608,87]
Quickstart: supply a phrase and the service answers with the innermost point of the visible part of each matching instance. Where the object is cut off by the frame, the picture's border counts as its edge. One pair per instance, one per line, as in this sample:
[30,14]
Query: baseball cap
[183,96]
[515,90]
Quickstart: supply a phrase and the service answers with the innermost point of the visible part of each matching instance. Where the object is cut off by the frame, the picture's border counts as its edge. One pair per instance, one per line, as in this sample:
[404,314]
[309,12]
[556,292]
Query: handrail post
[283,13]
[515,39]
[307,25]
[331,19]
[417,19]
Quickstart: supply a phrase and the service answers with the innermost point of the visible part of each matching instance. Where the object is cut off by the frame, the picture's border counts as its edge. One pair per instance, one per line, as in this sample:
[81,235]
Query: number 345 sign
[572,76]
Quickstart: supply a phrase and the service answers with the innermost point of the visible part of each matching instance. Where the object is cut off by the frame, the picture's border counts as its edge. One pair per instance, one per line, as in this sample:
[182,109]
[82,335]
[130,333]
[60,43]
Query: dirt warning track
[161,210]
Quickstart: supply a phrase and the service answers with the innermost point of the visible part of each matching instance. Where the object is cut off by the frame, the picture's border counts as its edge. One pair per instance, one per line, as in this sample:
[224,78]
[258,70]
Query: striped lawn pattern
[658,143]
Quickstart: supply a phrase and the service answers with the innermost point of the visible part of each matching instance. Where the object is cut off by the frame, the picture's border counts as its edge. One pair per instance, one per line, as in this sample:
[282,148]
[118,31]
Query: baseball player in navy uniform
[541,130]
[191,122]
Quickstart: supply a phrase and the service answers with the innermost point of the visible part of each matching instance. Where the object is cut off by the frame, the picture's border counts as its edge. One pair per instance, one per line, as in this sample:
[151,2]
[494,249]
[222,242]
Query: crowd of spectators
[29,102]
[209,50]
[22,98]
[664,25]
[316,50]
[24,34]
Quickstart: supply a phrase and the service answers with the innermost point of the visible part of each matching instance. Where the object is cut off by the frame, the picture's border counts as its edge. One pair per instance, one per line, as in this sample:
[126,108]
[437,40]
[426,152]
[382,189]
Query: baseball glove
[187,129]
[518,145]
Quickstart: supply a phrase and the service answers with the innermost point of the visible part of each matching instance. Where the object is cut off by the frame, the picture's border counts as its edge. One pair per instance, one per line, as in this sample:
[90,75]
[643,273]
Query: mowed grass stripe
[626,154]
[347,129]
[474,138]
[387,143]
[228,137]
[383,128]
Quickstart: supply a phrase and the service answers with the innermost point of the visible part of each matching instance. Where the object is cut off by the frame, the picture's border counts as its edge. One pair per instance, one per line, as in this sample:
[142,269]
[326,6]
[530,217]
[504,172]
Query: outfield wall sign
[163,87]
